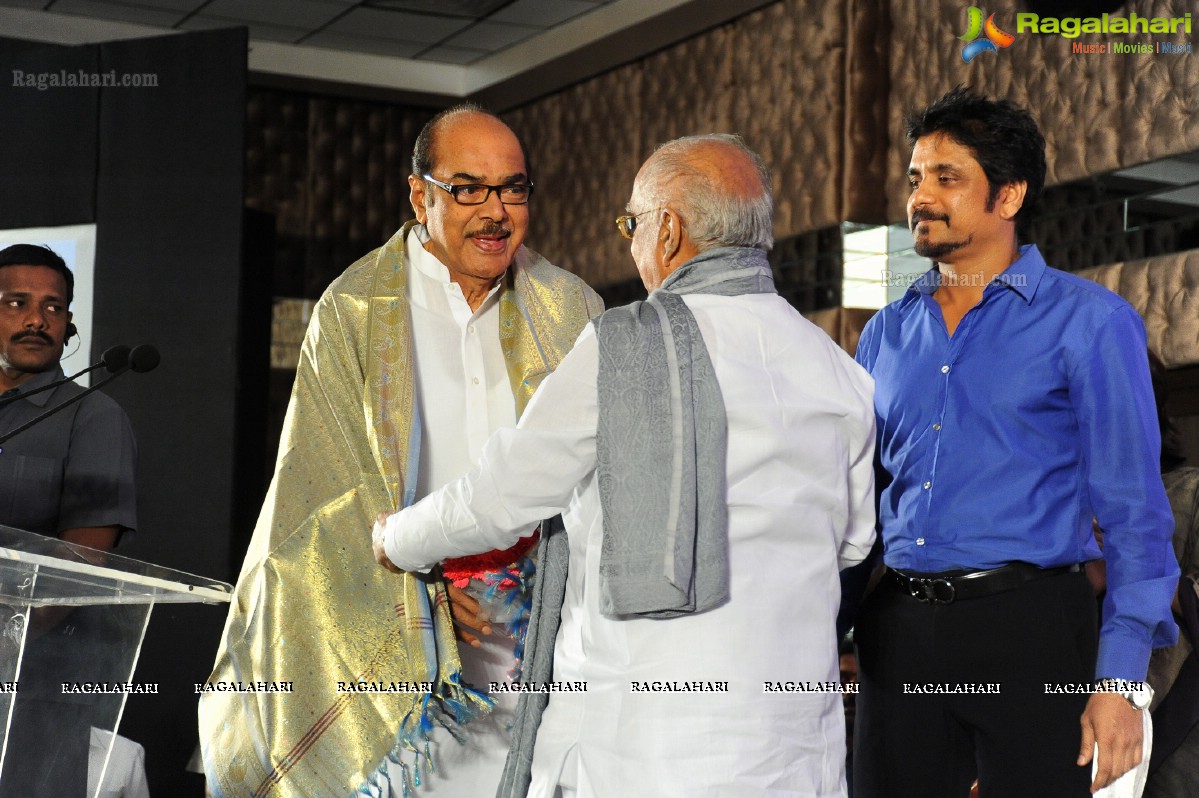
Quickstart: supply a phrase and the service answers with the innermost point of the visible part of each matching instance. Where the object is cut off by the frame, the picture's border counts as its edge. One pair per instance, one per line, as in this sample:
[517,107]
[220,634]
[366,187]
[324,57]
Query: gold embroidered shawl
[312,609]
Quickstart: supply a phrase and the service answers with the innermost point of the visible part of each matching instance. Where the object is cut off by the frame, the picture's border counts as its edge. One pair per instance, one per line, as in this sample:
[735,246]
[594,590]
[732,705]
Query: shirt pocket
[30,489]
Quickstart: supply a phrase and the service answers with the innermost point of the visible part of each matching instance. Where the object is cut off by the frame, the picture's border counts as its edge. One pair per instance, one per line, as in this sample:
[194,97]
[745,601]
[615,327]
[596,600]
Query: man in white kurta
[689,706]
[414,356]
[464,396]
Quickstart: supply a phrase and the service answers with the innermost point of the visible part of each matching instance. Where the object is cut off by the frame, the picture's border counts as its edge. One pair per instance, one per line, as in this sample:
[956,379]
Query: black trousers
[928,720]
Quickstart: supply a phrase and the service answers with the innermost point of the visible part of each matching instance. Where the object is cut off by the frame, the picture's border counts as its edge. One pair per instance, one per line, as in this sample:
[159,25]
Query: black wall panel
[48,137]
[168,272]
[159,168]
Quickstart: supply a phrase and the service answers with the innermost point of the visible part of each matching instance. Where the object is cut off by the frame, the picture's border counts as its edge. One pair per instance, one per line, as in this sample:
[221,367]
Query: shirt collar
[41,380]
[423,260]
[1023,277]
[430,266]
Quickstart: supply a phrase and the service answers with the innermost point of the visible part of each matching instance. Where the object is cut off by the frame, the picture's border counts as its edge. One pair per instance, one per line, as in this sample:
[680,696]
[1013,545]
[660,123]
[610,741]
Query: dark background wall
[160,171]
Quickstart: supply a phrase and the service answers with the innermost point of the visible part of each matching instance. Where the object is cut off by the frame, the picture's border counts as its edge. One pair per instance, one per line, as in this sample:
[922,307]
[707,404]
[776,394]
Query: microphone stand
[43,416]
[113,358]
[141,358]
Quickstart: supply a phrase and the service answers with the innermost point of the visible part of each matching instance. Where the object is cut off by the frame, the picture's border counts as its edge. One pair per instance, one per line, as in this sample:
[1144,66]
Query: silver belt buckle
[932,591]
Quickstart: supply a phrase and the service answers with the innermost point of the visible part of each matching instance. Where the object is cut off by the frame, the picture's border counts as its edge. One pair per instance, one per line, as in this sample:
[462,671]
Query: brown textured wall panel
[787,82]
[583,144]
[820,89]
[1165,291]
[1098,112]
[775,76]
[865,141]
[843,325]
[361,157]
[1163,91]
[333,173]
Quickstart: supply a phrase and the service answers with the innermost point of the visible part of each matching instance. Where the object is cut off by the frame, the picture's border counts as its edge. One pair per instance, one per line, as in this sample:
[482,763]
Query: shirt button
[471,329]
[475,380]
[927,485]
[919,541]
[937,427]
[945,369]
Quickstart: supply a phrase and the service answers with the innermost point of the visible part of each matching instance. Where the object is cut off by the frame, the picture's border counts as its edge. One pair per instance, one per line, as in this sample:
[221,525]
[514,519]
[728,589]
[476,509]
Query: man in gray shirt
[70,476]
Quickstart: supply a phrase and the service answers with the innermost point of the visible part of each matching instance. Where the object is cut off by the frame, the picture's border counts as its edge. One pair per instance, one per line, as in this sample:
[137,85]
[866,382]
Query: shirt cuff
[393,545]
[1122,656]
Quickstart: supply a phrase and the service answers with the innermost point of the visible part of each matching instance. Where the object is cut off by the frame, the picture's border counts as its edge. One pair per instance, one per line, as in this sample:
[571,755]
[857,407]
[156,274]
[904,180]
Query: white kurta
[800,498]
[464,395]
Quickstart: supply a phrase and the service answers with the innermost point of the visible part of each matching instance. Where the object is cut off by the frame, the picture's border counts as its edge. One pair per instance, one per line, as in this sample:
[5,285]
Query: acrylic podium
[72,621]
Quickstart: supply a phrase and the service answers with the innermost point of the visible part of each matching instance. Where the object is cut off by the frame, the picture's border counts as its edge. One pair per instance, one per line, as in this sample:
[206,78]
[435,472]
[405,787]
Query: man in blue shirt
[1014,408]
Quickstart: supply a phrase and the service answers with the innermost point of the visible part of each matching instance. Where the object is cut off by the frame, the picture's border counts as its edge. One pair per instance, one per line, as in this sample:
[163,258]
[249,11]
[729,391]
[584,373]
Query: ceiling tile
[475,9]
[185,6]
[452,55]
[24,3]
[491,36]
[288,13]
[119,12]
[398,25]
[270,33]
[362,44]
[542,13]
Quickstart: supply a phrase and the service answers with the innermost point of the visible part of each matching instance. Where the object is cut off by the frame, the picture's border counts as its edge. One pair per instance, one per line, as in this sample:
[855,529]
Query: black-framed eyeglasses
[627,225]
[478,193]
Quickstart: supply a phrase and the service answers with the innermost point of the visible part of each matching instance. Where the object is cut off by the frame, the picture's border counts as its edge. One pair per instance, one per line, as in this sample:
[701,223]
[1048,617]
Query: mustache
[926,216]
[490,229]
[24,336]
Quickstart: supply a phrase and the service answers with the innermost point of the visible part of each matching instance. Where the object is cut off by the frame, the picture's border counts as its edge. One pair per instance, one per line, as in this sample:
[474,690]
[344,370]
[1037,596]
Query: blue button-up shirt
[1004,441]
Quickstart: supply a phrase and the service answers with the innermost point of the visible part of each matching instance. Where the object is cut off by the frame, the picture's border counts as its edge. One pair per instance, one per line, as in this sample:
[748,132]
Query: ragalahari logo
[994,39]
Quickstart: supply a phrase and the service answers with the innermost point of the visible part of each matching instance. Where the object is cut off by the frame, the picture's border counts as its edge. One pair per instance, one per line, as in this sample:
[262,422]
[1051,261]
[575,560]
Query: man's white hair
[715,214]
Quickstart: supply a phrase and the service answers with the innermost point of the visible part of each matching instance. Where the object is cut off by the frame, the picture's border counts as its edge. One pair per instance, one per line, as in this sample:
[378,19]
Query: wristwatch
[1138,694]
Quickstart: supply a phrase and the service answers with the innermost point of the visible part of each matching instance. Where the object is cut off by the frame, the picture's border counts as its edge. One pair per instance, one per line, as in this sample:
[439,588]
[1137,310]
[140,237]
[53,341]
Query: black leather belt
[951,587]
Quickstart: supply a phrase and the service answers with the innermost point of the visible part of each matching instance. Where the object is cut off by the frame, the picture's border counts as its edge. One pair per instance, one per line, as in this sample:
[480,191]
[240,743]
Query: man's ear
[416,195]
[1011,199]
[670,234]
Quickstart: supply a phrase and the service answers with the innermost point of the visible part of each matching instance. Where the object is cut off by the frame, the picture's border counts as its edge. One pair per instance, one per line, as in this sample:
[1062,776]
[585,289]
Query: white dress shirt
[464,395]
[126,773]
[800,499]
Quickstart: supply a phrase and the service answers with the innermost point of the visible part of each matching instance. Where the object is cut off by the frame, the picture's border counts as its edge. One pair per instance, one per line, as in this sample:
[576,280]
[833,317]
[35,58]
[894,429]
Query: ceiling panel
[38,4]
[502,52]
[475,9]
[453,55]
[491,36]
[364,44]
[258,30]
[184,6]
[120,12]
[543,13]
[291,13]
[399,25]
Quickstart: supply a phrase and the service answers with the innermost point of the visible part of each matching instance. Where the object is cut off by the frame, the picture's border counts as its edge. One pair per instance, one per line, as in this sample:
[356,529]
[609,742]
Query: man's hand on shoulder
[1112,723]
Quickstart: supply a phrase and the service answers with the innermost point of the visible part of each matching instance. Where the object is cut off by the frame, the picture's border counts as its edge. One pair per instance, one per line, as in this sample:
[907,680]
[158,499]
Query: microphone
[114,359]
[144,357]
[141,358]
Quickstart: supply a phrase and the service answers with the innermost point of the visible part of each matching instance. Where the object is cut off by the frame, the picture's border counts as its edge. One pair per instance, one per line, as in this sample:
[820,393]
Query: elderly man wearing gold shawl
[334,677]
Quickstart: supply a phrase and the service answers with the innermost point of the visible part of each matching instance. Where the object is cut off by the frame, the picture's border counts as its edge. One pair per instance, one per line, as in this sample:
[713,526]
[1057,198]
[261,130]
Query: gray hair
[714,215]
